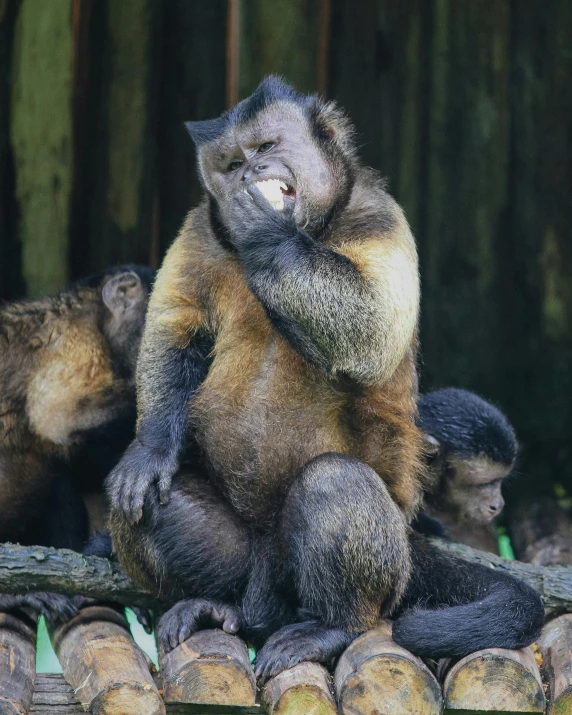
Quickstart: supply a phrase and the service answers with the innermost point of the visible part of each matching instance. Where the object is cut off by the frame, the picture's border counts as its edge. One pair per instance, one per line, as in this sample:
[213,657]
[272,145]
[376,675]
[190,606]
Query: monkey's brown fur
[263,411]
[58,380]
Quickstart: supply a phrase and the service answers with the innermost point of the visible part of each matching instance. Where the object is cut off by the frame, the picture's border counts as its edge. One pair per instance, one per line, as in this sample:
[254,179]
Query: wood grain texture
[106,669]
[211,667]
[41,135]
[305,688]
[495,680]
[17,665]
[556,647]
[375,676]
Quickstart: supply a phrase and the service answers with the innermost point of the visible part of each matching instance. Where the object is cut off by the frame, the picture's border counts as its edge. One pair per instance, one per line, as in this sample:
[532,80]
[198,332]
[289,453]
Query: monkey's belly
[257,436]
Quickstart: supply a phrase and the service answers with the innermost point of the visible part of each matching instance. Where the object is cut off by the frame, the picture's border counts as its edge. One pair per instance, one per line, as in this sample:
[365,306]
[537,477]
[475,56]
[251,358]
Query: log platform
[210,674]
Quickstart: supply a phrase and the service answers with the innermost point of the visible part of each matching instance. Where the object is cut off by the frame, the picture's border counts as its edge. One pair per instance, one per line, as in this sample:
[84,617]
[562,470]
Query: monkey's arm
[173,362]
[349,311]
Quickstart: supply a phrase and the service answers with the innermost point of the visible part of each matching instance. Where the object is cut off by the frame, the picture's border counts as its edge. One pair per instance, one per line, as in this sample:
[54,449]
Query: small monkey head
[125,294]
[472,449]
[297,149]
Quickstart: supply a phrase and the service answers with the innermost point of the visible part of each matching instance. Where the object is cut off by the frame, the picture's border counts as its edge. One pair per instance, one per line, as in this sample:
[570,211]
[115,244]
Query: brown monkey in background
[474,451]
[67,383]
[280,347]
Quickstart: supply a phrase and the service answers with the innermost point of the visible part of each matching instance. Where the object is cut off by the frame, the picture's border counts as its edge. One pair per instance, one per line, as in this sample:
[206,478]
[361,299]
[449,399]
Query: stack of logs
[106,672]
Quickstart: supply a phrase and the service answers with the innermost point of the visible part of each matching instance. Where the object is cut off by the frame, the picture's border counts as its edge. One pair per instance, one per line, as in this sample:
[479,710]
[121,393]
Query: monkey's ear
[206,131]
[432,448]
[122,291]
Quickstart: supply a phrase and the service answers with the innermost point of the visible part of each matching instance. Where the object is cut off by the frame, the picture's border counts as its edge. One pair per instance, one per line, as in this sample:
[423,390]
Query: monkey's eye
[263,148]
[234,165]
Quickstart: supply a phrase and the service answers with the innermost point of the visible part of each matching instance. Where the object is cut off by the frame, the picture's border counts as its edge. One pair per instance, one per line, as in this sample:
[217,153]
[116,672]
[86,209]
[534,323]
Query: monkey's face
[281,152]
[472,488]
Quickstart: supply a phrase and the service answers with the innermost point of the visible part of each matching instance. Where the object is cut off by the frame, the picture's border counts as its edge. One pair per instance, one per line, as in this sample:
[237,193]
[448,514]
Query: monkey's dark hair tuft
[466,425]
[271,89]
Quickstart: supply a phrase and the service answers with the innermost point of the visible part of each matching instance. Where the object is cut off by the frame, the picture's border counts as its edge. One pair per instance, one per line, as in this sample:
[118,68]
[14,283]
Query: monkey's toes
[187,617]
[55,607]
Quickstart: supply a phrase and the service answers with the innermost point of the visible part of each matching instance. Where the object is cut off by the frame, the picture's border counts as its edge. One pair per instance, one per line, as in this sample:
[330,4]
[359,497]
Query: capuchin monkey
[67,384]
[277,461]
[473,452]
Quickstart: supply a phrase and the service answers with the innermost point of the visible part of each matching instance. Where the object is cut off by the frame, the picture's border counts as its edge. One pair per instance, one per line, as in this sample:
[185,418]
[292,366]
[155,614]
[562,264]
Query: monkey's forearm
[167,379]
[319,301]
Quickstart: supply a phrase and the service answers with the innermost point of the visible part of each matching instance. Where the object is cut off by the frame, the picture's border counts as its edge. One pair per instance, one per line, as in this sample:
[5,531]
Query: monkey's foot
[186,617]
[300,642]
[55,607]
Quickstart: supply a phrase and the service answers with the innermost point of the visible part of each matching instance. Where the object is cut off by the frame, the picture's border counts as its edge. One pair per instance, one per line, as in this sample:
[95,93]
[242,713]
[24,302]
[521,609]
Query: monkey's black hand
[139,469]
[55,607]
[186,617]
[254,223]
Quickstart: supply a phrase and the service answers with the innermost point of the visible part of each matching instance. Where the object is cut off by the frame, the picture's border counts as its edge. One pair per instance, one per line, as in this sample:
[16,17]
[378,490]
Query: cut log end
[17,665]
[305,688]
[555,644]
[211,667]
[495,680]
[375,675]
[107,670]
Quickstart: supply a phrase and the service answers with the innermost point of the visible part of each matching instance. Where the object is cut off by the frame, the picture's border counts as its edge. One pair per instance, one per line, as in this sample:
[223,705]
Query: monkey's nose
[260,168]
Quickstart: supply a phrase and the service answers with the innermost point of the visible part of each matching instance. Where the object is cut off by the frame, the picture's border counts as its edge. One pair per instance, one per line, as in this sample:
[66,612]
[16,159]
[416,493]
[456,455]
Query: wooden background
[466,105]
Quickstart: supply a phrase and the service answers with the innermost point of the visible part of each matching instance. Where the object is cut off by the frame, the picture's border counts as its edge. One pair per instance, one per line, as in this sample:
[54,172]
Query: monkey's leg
[345,541]
[195,550]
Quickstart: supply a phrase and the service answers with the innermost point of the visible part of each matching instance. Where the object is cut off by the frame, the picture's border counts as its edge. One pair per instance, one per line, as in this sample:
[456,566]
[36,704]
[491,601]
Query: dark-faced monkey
[474,451]
[280,347]
[67,373]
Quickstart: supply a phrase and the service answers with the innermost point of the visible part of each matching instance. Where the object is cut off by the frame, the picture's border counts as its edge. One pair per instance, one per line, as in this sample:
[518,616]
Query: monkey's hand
[254,223]
[140,468]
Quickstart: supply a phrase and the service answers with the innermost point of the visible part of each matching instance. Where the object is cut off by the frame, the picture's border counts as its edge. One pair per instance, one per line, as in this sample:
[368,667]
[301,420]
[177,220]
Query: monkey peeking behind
[277,462]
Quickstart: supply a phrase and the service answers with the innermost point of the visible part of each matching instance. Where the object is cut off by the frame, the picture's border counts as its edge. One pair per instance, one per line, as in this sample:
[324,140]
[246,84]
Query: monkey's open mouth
[274,191]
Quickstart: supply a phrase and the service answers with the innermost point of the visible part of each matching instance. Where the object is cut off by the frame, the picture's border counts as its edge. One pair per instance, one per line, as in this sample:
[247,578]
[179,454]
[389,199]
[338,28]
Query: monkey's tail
[454,607]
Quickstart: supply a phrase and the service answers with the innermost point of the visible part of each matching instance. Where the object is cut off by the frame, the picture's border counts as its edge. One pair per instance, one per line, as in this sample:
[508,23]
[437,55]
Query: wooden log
[53,696]
[41,133]
[107,670]
[211,667]
[305,688]
[541,532]
[495,680]
[378,677]
[25,568]
[556,648]
[17,665]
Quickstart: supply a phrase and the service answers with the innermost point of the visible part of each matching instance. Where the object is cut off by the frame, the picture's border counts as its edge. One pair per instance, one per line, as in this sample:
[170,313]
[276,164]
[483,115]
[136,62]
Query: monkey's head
[472,450]
[124,292]
[296,148]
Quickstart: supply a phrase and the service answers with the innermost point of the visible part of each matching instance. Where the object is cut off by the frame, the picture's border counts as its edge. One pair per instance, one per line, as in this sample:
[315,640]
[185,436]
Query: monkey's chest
[259,416]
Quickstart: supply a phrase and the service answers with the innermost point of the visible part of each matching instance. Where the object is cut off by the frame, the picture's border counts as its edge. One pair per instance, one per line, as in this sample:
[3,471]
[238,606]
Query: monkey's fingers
[144,617]
[164,485]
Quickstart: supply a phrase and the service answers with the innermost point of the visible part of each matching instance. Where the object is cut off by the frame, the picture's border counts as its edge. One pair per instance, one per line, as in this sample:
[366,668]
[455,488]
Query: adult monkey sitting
[281,336]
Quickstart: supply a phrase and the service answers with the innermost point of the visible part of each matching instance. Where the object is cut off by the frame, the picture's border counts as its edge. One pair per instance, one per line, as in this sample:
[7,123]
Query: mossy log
[212,668]
[108,671]
[495,680]
[375,675]
[555,645]
[37,568]
[305,688]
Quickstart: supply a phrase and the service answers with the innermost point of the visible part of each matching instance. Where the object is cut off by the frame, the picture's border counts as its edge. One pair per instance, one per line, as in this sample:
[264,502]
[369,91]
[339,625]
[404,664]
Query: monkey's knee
[193,546]
[346,540]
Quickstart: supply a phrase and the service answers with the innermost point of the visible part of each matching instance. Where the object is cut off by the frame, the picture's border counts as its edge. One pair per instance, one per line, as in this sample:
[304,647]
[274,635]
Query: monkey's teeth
[271,189]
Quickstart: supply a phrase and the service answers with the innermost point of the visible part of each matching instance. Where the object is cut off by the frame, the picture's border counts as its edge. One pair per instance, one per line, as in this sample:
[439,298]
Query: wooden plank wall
[465,106]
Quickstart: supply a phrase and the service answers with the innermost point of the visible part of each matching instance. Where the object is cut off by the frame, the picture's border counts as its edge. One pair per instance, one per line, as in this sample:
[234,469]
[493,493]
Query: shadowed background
[465,105]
